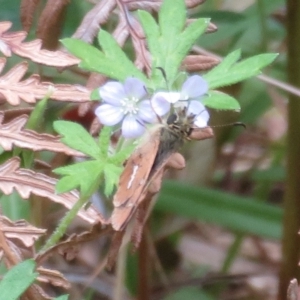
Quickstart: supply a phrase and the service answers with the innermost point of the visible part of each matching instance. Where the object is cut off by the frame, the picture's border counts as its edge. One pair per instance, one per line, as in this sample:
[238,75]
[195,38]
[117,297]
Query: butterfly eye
[172,119]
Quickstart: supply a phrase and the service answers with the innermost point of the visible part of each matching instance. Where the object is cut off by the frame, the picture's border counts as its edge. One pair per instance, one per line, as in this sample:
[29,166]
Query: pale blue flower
[193,89]
[126,103]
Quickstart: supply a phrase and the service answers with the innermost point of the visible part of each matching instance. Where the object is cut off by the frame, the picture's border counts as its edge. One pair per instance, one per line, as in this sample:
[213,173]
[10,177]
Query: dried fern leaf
[12,42]
[29,90]
[27,182]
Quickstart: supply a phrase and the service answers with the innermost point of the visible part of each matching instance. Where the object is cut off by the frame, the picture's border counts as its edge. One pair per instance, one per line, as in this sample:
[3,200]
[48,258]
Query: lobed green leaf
[104,141]
[116,64]
[228,73]
[63,297]
[111,177]
[85,175]
[76,137]
[16,281]
[112,63]
[219,100]
[169,42]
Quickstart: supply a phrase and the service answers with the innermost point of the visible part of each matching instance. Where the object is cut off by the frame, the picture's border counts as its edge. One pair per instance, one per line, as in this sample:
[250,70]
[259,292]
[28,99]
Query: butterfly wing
[133,181]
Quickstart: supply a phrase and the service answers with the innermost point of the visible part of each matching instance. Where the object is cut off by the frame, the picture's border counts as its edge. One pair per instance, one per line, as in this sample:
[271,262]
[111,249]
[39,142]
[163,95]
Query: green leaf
[16,281]
[85,175]
[91,57]
[63,297]
[111,177]
[117,64]
[76,137]
[225,64]
[171,12]
[237,213]
[122,155]
[170,41]
[95,95]
[104,141]
[112,62]
[219,100]
[226,75]
[36,117]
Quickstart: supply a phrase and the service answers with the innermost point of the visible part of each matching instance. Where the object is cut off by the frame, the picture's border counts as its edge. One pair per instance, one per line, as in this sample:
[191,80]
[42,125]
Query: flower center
[129,105]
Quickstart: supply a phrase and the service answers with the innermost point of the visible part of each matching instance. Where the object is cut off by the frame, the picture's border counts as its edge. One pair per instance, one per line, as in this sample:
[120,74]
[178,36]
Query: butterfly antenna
[230,124]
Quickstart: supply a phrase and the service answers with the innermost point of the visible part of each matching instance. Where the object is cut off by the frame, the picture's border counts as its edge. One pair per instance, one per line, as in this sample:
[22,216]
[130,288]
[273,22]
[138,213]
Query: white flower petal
[134,88]
[200,121]
[198,109]
[112,92]
[195,107]
[131,127]
[195,86]
[109,115]
[160,103]
[146,112]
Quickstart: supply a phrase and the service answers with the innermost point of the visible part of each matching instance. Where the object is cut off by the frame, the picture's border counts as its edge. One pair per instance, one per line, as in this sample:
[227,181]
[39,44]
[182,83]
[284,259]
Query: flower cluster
[130,104]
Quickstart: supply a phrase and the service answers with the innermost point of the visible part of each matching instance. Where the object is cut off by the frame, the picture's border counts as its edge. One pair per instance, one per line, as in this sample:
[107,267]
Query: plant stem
[263,25]
[233,252]
[291,222]
[143,283]
[64,224]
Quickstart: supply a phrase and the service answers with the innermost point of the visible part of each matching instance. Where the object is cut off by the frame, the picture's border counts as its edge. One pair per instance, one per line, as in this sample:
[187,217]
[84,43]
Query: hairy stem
[64,224]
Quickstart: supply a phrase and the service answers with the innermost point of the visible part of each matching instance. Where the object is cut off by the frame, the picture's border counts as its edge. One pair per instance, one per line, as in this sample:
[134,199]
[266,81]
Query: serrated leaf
[170,42]
[239,71]
[63,297]
[123,154]
[111,178]
[84,175]
[37,114]
[76,137]
[172,12]
[112,62]
[225,64]
[17,280]
[90,56]
[219,100]
[95,95]
[104,141]
[116,64]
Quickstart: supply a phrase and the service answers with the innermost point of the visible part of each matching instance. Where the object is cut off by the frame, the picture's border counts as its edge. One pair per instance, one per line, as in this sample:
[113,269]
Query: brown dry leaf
[26,182]
[211,28]
[91,22]
[114,248]
[20,230]
[121,32]
[31,89]
[14,134]
[12,42]
[51,22]
[73,241]
[152,5]
[193,3]
[194,63]
[53,277]
[293,290]
[12,256]
[27,10]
